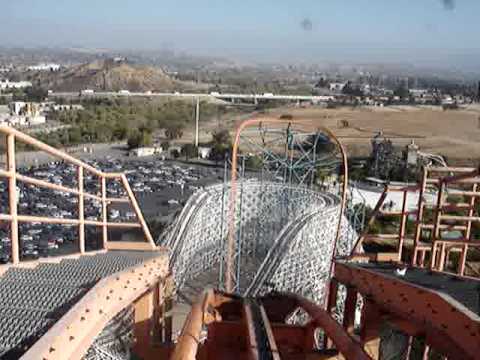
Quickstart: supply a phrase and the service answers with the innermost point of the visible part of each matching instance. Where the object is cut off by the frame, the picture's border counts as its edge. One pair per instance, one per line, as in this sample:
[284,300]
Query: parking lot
[161,187]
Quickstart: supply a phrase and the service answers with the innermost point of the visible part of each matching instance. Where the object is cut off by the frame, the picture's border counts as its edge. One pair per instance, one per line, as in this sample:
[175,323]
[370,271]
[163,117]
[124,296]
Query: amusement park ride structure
[300,163]
[418,286]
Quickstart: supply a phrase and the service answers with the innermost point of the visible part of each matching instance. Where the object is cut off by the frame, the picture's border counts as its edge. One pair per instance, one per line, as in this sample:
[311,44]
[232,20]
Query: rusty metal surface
[465,291]
[255,328]
[33,299]
[320,318]
[436,306]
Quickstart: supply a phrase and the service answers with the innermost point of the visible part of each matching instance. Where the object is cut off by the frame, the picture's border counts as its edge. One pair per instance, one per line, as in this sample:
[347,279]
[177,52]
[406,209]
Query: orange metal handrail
[13,177]
[444,176]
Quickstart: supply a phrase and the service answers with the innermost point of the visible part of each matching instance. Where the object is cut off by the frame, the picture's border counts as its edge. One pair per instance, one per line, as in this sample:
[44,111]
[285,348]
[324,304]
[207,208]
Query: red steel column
[350,308]
[331,304]
[370,328]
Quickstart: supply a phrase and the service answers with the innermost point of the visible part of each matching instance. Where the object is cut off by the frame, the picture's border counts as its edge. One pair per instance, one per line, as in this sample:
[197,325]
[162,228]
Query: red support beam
[350,309]
[448,326]
[370,328]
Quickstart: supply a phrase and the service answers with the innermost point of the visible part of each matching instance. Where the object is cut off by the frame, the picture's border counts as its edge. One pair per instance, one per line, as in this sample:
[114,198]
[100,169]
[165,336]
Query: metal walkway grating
[33,299]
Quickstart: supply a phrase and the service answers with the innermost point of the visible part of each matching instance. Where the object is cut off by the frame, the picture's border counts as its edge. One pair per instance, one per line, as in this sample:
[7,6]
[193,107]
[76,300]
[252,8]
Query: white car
[26,238]
[114,214]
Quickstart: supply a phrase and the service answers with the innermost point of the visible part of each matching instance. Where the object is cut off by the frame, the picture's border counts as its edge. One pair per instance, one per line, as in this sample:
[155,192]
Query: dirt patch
[454,134]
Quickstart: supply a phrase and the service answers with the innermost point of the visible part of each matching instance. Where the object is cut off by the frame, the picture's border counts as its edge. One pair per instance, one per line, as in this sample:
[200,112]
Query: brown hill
[108,76]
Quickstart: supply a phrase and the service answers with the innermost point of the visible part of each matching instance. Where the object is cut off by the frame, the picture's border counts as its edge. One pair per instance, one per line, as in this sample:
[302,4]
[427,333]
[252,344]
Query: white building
[146,151]
[418,92]
[336,87]
[204,152]
[6,84]
[13,120]
[19,113]
[44,67]
[447,100]
[57,107]
[174,148]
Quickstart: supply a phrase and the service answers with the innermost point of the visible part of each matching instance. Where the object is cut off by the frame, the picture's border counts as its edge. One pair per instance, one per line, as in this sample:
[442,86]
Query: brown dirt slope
[109,76]
[454,134]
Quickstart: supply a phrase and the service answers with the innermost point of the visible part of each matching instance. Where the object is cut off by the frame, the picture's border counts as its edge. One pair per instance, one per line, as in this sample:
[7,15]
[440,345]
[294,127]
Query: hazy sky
[445,32]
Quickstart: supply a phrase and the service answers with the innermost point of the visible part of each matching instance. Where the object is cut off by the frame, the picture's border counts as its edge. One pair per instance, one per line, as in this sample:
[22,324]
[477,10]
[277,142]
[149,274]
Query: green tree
[35,94]
[139,138]
[165,145]
[134,139]
[254,162]
[75,135]
[120,131]
[175,154]
[221,145]
[222,137]
[402,92]
[350,89]
[190,151]
[174,131]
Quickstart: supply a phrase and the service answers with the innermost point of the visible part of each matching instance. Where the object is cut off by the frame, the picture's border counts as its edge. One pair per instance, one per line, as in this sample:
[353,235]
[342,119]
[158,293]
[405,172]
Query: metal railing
[13,135]
[463,183]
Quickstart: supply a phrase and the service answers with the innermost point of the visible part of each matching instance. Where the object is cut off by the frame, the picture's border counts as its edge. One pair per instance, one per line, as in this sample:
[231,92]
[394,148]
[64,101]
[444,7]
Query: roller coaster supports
[370,328]
[331,304]
[167,310]
[349,312]
[309,344]
[153,322]
[144,313]
[158,295]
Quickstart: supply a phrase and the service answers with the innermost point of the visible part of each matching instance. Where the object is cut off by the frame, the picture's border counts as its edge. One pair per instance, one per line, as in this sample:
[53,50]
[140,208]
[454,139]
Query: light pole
[197,118]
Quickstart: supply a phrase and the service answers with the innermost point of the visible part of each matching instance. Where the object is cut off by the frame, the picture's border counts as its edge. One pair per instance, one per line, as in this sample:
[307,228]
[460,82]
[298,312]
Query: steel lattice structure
[285,237]
[294,149]
[275,229]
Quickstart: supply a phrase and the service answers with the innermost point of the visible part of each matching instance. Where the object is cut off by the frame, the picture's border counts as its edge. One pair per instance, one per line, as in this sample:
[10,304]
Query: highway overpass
[226,96]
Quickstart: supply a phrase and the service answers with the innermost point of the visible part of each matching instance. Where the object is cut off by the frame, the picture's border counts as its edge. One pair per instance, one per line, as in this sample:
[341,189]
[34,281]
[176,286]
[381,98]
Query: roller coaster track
[175,237]
[294,209]
[279,250]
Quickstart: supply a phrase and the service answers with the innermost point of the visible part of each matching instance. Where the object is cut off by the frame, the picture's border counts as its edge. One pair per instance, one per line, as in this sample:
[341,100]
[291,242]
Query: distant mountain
[108,75]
